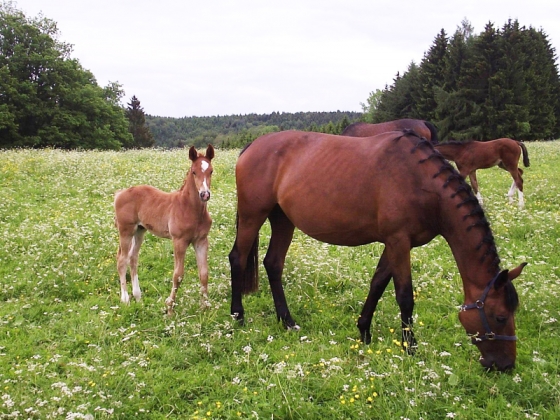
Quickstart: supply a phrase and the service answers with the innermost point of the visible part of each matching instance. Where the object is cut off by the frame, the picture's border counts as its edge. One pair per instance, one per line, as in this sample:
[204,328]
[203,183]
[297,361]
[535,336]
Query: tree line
[237,130]
[500,83]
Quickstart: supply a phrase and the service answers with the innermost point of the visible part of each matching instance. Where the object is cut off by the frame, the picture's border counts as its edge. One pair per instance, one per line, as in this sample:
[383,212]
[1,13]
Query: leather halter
[479,304]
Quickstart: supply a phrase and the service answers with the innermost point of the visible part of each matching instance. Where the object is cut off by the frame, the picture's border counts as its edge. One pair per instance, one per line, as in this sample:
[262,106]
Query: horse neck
[449,150]
[190,196]
[468,234]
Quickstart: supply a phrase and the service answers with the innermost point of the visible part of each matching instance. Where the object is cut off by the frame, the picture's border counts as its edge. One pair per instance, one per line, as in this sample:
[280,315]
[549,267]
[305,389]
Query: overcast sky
[220,57]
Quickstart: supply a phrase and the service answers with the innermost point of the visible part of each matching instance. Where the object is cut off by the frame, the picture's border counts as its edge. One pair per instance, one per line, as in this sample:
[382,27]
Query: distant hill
[235,130]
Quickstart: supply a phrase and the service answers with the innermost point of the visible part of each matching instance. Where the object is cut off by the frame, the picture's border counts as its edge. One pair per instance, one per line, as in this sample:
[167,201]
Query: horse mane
[463,188]
[512,298]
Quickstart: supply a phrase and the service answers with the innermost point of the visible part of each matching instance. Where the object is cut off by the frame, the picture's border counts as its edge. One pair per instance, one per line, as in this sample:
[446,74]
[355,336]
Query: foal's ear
[193,154]
[210,152]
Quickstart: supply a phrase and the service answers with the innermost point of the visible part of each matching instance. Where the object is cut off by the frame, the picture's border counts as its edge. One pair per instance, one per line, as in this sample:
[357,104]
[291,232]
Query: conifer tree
[137,124]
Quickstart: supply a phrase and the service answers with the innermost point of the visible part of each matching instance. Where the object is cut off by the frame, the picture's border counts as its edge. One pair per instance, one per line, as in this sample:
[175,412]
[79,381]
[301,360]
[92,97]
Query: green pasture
[70,350]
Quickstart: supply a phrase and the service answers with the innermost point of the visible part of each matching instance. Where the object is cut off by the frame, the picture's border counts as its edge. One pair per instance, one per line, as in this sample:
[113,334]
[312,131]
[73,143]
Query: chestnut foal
[181,216]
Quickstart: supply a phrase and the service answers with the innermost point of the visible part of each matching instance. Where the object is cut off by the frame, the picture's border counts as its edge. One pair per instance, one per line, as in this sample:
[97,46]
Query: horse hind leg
[282,230]
[137,240]
[517,184]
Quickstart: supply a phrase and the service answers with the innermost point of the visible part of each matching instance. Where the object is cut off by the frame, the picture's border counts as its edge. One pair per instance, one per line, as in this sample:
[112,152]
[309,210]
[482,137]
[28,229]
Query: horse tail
[433,132]
[526,162]
[250,277]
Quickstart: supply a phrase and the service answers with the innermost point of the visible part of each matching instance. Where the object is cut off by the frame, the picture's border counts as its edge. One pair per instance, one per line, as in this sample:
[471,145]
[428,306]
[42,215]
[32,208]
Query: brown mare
[423,128]
[472,155]
[181,216]
[354,191]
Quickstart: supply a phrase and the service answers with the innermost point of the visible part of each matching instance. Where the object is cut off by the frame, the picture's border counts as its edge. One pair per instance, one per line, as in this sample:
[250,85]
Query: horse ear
[210,152]
[502,279]
[513,274]
[508,275]
[193,154]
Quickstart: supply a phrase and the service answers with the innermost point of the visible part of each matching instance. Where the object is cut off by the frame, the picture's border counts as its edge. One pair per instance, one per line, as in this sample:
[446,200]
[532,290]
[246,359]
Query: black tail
[526,162]
[433,132]
[250,277]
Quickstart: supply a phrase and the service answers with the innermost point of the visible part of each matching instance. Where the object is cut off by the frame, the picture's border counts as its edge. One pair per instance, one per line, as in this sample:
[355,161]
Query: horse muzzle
[502,365]
[204,196]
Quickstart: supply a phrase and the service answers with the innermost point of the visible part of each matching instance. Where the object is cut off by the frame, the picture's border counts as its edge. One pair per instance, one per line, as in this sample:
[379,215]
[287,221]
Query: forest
[503,82]
[237,130]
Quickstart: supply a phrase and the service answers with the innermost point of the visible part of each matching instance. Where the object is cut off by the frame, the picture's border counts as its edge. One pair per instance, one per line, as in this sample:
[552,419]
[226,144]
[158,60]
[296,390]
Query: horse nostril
[205,195]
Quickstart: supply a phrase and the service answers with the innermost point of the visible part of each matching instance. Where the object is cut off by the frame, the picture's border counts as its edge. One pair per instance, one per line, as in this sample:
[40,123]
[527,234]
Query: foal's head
[201,171]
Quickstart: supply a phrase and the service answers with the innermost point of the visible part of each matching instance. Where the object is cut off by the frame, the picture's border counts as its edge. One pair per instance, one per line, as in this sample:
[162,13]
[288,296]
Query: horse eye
[501,319]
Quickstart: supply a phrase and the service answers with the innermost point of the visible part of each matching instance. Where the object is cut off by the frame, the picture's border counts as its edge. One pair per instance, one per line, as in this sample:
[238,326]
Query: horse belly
[337,225]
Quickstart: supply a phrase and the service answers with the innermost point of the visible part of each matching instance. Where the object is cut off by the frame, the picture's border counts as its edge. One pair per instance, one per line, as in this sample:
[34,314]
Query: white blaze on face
[204,165]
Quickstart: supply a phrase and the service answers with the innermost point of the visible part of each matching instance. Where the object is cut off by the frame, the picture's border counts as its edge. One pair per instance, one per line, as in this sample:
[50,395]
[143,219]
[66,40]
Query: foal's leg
[379,282]
[123,258]
[398,253]
[474,185]
[517,184]
[133,258]
[201,252]
[180,246]
[281,238]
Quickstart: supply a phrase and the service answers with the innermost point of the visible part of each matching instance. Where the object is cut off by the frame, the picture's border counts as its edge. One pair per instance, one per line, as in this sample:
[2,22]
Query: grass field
[70,350]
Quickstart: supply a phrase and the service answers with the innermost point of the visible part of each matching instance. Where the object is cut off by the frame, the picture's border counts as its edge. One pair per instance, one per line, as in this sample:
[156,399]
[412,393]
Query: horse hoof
[296,327]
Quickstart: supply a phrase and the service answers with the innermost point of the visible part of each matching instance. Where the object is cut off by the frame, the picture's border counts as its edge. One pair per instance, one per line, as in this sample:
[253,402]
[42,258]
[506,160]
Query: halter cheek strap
[479,304]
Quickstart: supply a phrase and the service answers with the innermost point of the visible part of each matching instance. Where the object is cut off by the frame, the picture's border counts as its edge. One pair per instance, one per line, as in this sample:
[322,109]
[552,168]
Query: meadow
[70,350]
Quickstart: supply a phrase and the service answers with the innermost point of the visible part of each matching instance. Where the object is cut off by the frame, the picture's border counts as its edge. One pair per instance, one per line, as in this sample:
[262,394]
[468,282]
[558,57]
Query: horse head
[490,321]
[201,171]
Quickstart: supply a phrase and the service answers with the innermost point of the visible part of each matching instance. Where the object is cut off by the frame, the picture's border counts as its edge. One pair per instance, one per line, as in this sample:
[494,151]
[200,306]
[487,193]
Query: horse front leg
[399,257]
[180,246]
[379,283]
[474,185]
[201,252]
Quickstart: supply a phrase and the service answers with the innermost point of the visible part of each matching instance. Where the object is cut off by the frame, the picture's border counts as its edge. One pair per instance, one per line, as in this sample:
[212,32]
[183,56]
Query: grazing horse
[472,155]
[423,128]
[181,216]
[353,191]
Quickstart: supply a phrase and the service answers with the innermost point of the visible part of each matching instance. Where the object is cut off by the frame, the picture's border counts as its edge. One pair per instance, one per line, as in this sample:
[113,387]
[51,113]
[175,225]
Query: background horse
[181,216]
[472,155]
[353,191]
[423,128]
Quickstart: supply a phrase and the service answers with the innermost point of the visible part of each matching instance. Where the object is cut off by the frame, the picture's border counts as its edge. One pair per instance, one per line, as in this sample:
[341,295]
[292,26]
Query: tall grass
[69,349]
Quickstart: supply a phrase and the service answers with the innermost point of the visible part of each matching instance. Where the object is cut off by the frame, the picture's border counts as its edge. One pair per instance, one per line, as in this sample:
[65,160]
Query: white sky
[219,57]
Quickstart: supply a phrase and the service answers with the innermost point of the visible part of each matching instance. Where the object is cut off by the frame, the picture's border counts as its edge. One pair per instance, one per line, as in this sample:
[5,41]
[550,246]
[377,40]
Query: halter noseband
[479,304]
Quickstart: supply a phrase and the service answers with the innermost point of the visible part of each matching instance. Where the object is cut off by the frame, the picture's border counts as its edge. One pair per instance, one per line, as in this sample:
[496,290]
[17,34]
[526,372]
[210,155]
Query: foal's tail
[525,154]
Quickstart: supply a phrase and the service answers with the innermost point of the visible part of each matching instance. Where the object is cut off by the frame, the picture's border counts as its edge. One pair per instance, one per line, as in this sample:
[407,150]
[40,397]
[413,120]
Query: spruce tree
[137,125]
